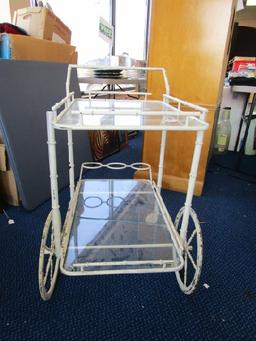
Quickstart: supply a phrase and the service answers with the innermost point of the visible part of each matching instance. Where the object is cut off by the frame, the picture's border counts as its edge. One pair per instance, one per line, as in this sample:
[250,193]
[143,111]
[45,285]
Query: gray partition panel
[27,90]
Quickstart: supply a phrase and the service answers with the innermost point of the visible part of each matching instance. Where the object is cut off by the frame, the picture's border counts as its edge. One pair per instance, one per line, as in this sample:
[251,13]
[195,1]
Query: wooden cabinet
[191,40]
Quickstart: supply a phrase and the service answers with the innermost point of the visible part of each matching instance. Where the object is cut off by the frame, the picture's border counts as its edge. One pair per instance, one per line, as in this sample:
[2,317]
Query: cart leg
[56,218]
[49,258]
[163,142]
[191,182]
[161,161]
[71,164]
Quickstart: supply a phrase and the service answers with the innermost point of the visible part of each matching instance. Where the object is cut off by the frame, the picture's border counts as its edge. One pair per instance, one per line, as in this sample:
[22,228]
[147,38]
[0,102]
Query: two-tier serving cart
[121,226]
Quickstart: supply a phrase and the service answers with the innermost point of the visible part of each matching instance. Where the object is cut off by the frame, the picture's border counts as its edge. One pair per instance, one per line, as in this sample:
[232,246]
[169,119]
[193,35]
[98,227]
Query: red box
[240,63]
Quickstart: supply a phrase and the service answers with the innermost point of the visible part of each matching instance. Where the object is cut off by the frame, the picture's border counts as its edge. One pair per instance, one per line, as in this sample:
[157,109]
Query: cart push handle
[99,67]
[64,101]
[203,111]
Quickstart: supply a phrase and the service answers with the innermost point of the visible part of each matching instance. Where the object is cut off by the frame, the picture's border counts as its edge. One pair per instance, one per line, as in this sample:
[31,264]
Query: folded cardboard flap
[3,158]
[20,47]
[8,188]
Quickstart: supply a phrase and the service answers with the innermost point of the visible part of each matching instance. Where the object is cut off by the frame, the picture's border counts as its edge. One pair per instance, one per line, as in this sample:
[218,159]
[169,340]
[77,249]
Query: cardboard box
[39,22]
[3,158]
[13,46]
[8,188]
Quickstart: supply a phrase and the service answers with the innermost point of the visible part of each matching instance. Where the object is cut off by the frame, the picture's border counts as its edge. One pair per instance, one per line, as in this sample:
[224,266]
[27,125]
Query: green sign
[105,30]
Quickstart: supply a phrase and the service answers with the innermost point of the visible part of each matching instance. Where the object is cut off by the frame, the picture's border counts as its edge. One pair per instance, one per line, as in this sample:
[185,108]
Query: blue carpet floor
[139,307]
[229,161]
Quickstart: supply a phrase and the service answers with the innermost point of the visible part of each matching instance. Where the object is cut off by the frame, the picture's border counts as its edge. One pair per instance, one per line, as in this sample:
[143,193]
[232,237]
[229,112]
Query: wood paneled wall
[191,40]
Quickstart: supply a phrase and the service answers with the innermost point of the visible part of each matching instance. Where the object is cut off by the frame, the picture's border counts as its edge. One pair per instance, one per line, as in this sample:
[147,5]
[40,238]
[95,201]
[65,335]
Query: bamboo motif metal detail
[185,237]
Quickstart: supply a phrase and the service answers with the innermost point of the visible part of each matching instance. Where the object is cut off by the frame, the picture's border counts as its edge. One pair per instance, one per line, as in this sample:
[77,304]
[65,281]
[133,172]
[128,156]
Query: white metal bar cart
[116,226]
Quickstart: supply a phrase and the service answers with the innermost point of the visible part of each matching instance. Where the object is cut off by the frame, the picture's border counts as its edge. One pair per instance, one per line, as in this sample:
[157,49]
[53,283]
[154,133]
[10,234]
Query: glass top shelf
[112,114]
[119,225]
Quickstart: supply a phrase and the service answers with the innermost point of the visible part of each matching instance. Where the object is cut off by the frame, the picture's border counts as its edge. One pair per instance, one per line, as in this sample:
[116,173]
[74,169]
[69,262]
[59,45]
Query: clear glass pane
[126,115]
[119,221]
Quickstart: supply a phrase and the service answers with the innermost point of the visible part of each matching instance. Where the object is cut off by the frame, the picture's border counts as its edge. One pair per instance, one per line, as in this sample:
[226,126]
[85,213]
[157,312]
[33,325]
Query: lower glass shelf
[120,226]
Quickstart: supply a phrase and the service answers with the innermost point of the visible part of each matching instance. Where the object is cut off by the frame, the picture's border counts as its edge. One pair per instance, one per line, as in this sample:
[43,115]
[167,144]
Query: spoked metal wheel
[48,261]
[189,275]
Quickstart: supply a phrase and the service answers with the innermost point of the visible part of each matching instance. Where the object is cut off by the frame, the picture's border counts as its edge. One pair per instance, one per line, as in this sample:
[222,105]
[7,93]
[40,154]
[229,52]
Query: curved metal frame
[139,166]
[188,259]
[59,237]
[49,271]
